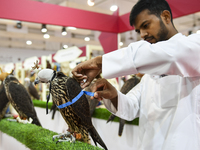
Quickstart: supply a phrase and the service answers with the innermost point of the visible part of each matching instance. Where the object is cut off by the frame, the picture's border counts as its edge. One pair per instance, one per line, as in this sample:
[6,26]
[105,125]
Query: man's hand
[103,89]
[87,71]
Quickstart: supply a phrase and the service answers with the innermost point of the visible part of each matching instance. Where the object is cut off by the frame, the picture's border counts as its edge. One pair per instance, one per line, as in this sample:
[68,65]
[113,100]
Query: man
[167,100]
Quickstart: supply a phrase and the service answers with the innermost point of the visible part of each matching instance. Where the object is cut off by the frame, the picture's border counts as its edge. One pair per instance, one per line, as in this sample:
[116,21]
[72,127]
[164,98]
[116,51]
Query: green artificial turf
[41,104]
[100,113]
[38,138]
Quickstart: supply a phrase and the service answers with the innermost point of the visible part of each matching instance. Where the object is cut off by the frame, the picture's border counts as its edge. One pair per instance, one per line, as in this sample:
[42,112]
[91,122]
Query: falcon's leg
[65,137]
[24,121]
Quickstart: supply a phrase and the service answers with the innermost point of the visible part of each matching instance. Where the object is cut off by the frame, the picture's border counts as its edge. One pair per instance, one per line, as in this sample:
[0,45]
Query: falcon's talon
[24,121]
[65,137]
[66,140]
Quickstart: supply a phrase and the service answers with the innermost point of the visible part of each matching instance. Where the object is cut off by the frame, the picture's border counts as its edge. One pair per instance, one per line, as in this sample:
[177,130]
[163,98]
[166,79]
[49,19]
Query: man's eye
[138,31]
[146,25]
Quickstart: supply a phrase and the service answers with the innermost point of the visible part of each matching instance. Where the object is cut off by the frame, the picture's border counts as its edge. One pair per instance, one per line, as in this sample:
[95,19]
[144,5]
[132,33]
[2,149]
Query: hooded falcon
[20,99]
[128,85]
[72,103]
[4,102]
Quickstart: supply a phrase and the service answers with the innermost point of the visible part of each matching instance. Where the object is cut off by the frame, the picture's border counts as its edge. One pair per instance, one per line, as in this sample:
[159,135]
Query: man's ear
[166,16]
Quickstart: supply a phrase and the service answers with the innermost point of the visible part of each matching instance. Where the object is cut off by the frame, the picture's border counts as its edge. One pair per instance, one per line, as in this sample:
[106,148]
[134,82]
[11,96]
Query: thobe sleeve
[128,105]
[177,56]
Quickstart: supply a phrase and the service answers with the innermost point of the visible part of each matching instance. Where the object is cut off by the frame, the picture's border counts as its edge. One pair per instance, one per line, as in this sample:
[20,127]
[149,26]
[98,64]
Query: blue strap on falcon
[75,99]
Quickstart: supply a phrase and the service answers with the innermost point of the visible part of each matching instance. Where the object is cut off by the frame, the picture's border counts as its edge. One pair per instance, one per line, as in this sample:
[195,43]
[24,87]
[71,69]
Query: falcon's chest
[58,90]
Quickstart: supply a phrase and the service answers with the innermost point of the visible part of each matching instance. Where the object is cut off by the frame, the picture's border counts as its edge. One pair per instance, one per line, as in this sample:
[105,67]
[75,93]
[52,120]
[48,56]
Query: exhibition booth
[109,28]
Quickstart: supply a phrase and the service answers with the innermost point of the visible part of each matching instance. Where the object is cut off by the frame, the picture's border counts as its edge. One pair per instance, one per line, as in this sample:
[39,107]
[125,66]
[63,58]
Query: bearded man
[167,100]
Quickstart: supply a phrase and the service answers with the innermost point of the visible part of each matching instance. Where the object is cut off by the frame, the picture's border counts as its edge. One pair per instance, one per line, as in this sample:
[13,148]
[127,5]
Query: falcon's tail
[36,121]
[121,126]
[96,138]
[111,118]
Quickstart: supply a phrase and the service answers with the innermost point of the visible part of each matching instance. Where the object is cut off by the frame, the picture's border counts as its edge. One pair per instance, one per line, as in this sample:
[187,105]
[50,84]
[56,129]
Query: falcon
[31,89]
[127,86]
[72,103]
[20,99]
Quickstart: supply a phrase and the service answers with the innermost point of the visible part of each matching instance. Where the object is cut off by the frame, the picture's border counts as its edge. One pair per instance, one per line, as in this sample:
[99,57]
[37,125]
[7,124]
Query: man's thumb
[98,94]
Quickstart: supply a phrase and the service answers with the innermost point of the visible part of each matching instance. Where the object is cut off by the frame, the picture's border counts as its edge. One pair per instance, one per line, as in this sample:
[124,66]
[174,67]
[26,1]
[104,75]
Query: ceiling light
[87,39]
[90,2]
[113,7]
[71,28]
[65,46]
[19,24]
[121,43]
[28,42]
[44,29]
[64,32]
[46,36]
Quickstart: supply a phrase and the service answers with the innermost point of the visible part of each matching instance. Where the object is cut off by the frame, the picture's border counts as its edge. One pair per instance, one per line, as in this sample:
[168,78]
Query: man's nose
[143,34]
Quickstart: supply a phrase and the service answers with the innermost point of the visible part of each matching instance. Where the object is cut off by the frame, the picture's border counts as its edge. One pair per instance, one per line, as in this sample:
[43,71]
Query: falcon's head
[45,76]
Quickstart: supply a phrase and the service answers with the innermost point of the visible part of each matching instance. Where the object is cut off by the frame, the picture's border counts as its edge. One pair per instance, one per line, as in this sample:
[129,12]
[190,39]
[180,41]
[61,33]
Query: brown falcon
[72,103]
[128,85]
[20,99]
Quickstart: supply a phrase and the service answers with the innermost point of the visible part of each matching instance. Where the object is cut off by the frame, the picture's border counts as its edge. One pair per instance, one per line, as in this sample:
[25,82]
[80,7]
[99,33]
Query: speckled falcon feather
[20,99]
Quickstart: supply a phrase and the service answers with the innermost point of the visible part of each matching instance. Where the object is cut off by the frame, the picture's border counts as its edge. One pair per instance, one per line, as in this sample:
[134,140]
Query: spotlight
[113,7]
[87,39]
[44,29]
[19,24]
[65,46]
[198,32]
[64,32]
[90,2]
[121,43]
[46,36]
[28,42]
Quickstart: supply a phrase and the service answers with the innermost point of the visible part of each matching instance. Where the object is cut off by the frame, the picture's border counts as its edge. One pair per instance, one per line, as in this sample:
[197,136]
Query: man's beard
[163,32]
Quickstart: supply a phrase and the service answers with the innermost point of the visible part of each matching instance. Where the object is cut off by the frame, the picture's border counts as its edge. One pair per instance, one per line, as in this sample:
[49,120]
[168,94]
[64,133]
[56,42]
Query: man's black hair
[155,7]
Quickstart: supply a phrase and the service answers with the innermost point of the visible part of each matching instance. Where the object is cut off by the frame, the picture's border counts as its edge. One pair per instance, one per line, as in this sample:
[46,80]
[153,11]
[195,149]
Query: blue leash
[75,99]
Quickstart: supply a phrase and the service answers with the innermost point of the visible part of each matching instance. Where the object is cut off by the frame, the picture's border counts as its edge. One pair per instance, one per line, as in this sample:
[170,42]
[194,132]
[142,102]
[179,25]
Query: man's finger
[97,86]
[99,94]
[83,85]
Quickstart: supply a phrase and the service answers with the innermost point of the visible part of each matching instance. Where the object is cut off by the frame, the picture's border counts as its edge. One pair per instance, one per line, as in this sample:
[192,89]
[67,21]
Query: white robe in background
[169,106]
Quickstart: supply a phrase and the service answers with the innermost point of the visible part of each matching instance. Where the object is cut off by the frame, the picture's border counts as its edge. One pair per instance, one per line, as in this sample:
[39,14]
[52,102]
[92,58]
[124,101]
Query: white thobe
[168,107]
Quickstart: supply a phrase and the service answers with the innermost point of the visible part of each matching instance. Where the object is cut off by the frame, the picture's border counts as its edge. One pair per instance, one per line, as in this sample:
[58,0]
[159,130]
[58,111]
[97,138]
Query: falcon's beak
[36,81]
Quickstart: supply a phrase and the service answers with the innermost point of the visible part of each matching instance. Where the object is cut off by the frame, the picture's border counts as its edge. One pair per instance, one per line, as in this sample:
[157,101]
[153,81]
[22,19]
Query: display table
[107,131]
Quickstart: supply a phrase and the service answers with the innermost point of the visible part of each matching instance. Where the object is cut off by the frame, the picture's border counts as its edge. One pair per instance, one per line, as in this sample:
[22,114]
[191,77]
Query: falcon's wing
[92,102]
[33,91]
[22,100]
[129,84]
[4,102]
[81,106]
